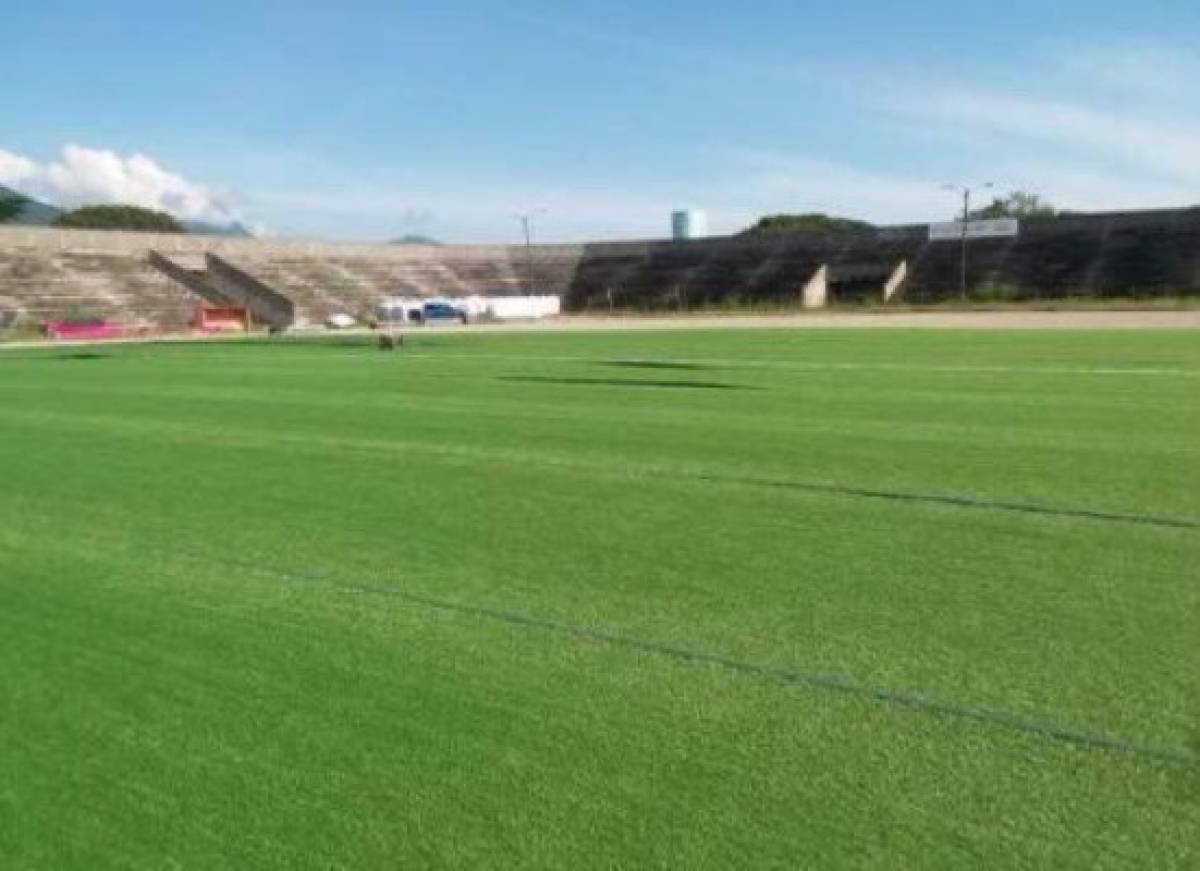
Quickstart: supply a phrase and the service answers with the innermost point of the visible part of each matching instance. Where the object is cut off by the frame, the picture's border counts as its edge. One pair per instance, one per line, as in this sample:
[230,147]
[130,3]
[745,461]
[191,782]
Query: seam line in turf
[956,501]
[884,695]
[912,700]
[684,474]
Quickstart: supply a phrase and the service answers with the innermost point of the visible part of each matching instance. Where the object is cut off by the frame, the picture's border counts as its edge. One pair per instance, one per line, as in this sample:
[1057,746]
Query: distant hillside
[38,214]
[204,228]
[33,212]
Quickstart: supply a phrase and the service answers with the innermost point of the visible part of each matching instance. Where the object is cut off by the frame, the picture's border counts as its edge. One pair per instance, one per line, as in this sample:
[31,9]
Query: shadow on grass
[362,340]
[51,357]
[83,355]
[339,342]
[626,382]
[655,364]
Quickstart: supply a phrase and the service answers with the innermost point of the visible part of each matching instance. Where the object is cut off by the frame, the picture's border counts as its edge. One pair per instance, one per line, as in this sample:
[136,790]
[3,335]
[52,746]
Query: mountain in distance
[233,229]
[35,213]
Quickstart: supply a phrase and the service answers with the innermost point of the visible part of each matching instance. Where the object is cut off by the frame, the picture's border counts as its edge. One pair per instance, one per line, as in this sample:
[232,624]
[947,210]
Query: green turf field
[687,599]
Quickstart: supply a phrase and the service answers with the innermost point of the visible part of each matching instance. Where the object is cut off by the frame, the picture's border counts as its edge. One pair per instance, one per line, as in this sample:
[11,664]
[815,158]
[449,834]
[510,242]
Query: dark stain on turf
[625,382]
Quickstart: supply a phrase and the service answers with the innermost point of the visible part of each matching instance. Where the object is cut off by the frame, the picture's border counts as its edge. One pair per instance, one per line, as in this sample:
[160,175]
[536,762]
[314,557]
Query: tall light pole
[526,219]
[966,191]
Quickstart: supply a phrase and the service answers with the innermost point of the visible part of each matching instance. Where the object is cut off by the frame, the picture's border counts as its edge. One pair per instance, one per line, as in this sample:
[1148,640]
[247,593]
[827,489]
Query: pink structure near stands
[84,332]
[221,319]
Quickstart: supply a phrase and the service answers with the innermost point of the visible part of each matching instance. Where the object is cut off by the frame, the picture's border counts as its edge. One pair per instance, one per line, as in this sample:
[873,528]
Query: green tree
[813,222]
[119,218]
[11,206]
[1018,204]
[414,239]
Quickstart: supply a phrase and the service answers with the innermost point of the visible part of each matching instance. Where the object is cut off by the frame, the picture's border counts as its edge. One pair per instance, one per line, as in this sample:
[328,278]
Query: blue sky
[362,120]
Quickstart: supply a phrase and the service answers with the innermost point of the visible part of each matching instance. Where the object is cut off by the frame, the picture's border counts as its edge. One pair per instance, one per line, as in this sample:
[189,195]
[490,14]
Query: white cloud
[1081,188]
[772,182]
[1147,71]
[483,212]
[14,168]
[1161,147]
[86,176]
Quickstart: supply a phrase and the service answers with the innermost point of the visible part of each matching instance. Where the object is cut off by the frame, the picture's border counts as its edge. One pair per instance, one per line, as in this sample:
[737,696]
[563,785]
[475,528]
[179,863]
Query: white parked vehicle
[395,310]
[340,321]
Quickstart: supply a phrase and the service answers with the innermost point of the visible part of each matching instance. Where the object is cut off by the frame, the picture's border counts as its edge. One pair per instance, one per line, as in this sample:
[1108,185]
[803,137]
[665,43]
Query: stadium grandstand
[159,280]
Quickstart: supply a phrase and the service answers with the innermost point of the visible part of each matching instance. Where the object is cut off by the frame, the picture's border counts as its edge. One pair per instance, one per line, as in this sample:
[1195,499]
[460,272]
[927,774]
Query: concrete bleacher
[320,286]
[330,282]
[164,277]
[41,286]
[738,270]
[1117,254]
[160,279]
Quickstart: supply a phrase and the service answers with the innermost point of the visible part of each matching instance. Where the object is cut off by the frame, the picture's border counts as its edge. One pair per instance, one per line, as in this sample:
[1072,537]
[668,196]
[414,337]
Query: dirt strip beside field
[1000,320]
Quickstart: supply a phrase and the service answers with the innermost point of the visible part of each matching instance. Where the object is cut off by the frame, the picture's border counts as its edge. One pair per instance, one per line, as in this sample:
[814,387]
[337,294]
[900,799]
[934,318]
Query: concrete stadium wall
[51,271]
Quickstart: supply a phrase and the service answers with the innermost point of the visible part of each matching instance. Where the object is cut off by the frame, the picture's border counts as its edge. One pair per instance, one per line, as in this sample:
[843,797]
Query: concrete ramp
[221,283]
[191,271]
[264,303]
[896,281]
[816,291]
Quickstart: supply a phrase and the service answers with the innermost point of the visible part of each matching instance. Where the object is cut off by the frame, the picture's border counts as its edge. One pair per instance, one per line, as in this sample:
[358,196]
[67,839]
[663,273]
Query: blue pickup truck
[433,313]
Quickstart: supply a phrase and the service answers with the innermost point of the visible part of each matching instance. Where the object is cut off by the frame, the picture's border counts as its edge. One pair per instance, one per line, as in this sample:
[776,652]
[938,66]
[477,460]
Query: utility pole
[966,218]
[962,283]
[526,219]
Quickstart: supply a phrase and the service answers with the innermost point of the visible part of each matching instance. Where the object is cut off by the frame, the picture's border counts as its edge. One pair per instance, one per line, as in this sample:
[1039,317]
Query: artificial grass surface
[539,600]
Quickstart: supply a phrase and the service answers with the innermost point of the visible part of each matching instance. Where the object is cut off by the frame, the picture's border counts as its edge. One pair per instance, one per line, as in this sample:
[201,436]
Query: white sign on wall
[952,231]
